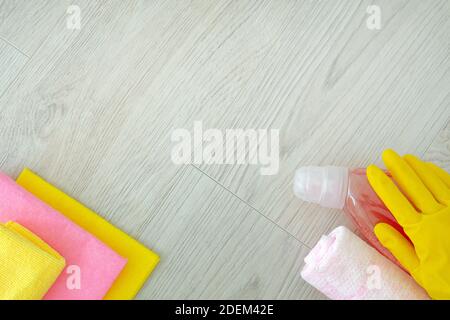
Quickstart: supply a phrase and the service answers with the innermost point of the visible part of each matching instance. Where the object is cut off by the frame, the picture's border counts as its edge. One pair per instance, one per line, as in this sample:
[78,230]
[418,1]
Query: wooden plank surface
[217,247]
[11,62]
[92,111]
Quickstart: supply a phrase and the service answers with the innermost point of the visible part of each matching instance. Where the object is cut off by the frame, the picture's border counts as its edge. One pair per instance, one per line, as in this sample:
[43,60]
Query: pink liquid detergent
[349,190]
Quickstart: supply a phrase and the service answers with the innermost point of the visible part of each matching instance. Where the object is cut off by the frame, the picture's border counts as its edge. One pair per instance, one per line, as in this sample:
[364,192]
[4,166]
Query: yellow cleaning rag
[28,266]
[141,261]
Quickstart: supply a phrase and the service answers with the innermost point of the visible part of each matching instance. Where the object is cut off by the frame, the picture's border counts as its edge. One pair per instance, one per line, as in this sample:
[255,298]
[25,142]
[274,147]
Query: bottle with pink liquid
[349,190]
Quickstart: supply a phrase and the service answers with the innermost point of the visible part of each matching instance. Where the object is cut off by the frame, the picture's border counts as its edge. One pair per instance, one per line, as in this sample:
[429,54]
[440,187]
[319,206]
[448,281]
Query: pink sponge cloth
[91,266]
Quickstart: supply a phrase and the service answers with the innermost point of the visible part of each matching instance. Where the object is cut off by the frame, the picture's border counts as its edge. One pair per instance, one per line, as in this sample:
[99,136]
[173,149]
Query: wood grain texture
[26,24]
[93,109]
[340,98]
[439,151]
[217,247]
[11,62]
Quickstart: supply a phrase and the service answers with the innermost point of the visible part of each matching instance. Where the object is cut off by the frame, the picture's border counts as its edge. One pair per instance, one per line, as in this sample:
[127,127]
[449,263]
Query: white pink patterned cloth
[344,267]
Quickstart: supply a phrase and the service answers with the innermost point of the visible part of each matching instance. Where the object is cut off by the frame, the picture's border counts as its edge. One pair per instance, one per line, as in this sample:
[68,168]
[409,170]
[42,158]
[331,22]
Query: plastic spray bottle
[349,190]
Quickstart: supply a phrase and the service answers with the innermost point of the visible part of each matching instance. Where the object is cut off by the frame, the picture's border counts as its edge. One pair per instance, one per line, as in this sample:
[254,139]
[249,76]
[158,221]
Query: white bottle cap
[326,186]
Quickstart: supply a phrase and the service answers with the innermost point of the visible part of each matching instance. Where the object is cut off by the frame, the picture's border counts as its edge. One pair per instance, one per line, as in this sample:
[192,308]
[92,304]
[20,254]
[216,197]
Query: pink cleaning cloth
[88,260]
[344,267]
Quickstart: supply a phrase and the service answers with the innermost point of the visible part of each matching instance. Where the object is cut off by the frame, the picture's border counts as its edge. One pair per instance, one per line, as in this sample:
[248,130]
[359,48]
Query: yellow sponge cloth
[141,261]
[28,266]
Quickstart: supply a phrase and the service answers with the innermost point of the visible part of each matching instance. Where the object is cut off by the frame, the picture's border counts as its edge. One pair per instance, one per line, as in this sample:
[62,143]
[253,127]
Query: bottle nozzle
[326,186]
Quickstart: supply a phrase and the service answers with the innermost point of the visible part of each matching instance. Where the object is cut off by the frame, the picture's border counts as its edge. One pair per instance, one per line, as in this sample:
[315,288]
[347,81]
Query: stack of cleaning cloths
[52,247]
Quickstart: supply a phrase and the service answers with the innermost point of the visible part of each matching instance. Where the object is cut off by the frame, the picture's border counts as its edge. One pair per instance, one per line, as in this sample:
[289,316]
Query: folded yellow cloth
[141,261]
[28,266]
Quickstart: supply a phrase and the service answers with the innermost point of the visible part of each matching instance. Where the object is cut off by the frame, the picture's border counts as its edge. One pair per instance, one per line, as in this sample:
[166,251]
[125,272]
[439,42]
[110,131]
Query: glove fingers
[400,247]
[410,183]
[393,198]
[441,173]
[431,180]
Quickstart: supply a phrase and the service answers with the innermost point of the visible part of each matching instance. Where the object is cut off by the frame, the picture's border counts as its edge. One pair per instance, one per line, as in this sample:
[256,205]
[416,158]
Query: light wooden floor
[92,110]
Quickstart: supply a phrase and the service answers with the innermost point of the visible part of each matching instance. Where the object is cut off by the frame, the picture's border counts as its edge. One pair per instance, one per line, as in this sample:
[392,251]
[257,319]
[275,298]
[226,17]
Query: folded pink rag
[344,267]
[91,266]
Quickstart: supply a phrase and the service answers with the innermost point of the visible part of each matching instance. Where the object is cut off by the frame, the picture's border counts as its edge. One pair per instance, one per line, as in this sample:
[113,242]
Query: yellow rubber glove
[425,218]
